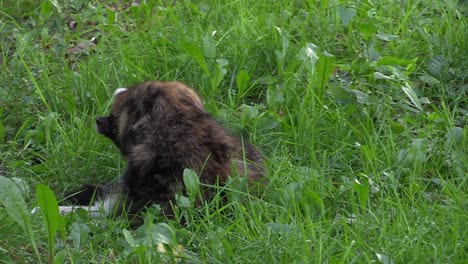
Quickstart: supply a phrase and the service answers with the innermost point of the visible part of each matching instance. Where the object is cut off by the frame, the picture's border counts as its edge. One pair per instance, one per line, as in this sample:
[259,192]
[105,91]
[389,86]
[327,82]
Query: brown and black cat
[161,128]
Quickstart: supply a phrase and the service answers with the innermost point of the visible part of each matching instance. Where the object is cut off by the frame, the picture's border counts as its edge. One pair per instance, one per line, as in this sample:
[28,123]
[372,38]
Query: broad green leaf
[192,183]
[242,79]
[309,56]
[197,54]
[409,91]
[34,135]
[111,16]
[380,76]
[341,95]
[129,238]
[219,73]
[21,184]
[437,64]
[164,234]
[50,123]
[397,128]
[314,198]
[61,256]
[431,81]
[362,191]
[360,96]
[160,233]
[418,151]
[293,192]
[399,75]
[275,95]
[369,52]
[285,43]
[183,201]
[79,234]
[424,100]
[250,113]
[367,30]
[420,144]
[15,206]
[209,46]
[324,68]
[454,137]
[50,212]
[346,14]
[222,64]
[46,9]
[194,8]
[267,121]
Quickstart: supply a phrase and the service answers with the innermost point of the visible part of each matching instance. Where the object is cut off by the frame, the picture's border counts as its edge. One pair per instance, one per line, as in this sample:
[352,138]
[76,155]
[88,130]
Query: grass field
[360,108]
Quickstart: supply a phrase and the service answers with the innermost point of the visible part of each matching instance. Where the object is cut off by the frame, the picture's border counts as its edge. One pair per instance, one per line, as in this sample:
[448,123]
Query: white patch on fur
[99,209]
[118,91]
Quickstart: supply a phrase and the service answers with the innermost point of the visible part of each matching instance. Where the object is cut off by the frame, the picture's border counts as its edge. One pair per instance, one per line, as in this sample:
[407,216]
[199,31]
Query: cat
[162,128]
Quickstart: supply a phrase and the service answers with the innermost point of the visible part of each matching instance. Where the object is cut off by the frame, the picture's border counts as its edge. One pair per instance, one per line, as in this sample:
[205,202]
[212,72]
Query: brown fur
[161,128]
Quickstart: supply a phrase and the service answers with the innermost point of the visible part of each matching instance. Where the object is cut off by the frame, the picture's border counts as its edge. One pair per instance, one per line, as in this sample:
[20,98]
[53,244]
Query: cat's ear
[119,91]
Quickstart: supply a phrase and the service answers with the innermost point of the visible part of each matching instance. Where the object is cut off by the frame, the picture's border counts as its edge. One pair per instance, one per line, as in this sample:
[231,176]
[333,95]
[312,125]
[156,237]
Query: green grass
[360,108]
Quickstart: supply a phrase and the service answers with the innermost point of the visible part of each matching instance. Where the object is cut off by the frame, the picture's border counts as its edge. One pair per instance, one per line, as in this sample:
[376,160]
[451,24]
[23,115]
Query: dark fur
[161,128]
